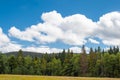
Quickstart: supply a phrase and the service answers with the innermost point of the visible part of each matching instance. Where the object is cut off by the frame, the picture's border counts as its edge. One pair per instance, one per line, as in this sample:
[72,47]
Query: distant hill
[25,53]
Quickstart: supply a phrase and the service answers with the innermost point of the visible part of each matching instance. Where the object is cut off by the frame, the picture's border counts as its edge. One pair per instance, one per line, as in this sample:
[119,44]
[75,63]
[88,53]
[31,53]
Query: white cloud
[52,17]
[111,42]
[109,28]
[76,49]
[77,27]
[93,41]
[42,49]
[71,30]
[9,47]
[52,32]
[3,38]
[6,45]
[23,35]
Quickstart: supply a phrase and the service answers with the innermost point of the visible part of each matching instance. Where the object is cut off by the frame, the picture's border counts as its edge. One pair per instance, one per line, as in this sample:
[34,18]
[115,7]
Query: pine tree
[92,62]
[83,62]
[110,51]
[62,56]
[36,65]
[2,66]
[43,65]
[12,63]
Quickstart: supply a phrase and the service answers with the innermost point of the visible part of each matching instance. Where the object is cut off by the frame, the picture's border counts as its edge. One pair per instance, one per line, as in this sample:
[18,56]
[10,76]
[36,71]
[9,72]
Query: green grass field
[29,77]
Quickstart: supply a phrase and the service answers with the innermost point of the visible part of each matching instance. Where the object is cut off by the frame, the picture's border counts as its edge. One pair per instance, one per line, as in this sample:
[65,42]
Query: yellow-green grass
[31,77]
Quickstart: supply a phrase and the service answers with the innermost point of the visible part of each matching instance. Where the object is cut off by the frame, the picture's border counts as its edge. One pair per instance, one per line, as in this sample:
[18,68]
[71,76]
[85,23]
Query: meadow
[31,77]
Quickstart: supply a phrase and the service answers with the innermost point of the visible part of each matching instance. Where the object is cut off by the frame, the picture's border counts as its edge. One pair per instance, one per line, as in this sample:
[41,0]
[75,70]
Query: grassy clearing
[29,77]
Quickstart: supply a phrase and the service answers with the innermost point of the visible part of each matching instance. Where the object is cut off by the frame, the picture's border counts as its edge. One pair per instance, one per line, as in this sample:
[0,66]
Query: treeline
[97,63]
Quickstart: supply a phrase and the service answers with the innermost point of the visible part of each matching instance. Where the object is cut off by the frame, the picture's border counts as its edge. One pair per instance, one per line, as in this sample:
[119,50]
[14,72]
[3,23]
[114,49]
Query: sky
[54,25]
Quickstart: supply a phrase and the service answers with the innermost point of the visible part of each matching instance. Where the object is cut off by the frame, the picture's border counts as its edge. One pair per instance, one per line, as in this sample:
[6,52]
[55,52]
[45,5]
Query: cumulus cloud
[52,17]
[79,50]
[23,35]
[6,45]
[76,49]
[71,30]
[93,41]
[42,49]
[109,28]
[77,27]
[3,38]
[9,47]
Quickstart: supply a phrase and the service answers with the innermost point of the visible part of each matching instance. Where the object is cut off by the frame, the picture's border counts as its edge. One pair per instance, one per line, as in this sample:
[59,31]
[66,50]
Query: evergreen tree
[43,66]
[65,63]
[2,65]
[92,62]
[28,64]
[12,63]
[83,62]
[36,65]
[62,56]
[55,66]
[110,51]
[21,61]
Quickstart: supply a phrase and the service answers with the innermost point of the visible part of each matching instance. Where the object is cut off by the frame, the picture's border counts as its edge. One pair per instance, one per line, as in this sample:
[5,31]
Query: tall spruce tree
[92,62]
[83,62]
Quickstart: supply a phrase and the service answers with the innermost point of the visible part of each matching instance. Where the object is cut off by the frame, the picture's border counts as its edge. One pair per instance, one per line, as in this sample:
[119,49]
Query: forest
[96,63]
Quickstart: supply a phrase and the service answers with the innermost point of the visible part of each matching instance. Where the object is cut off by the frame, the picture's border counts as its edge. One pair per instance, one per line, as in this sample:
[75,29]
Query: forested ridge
[96,63]
[25,54]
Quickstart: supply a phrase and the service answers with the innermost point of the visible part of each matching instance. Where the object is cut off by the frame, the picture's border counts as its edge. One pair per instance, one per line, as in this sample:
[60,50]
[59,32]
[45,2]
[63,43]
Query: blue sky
[16,16]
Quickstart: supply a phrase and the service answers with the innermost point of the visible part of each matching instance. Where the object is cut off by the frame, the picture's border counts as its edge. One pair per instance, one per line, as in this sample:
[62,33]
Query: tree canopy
[97,63]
